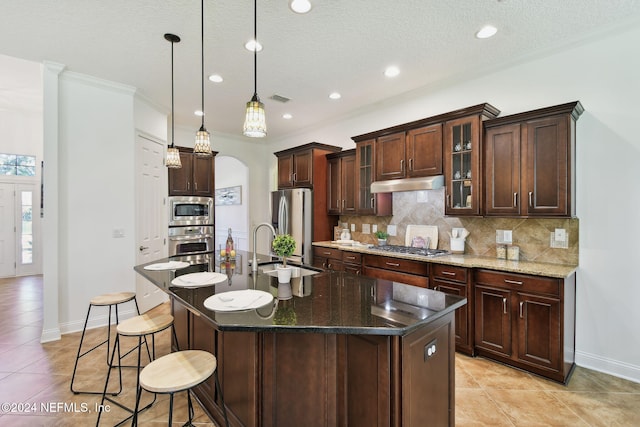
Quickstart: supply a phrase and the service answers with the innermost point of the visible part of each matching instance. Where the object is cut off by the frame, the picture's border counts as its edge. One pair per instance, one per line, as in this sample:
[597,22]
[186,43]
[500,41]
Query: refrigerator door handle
[283,215]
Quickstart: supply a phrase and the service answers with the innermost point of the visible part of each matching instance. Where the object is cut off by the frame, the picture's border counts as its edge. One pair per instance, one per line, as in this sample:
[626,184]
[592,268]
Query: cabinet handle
[342,203]
[188,185]
[351,258]
[435,288]
[392,264]
[515,200]
[448,200]
[521,304]
[530,198]
[504,305]
[295,176]
[513,282]
[373,202]
[290,177]
[326,253]
[338,203]
[448,273]
[195,186]
[402,165]
[324,265]
[329,266]
[357,272]
[410,164]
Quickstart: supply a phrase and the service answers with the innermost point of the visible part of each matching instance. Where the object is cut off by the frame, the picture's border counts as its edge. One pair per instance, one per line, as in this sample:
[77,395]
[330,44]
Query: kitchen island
[343,350]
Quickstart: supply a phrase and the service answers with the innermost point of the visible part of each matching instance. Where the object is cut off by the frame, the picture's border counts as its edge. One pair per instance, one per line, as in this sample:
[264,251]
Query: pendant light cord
[202,55]
[255,48]
[172,114]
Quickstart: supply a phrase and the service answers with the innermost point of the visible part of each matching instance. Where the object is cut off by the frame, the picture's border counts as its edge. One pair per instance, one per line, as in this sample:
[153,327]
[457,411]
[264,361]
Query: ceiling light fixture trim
[300,6]
[172,159]
[486,32]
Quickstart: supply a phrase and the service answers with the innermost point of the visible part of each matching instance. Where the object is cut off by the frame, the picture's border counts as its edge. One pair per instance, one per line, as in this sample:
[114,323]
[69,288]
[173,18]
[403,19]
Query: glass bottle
[229,245]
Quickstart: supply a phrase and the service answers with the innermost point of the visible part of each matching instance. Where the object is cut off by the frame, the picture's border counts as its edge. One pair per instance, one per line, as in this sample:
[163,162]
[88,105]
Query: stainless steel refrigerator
[292,213]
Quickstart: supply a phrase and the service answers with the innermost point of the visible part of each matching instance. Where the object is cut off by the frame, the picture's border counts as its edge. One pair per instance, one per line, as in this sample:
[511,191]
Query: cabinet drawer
[447,272]
[351,257]
[397,264]
[519,282]
[327,253]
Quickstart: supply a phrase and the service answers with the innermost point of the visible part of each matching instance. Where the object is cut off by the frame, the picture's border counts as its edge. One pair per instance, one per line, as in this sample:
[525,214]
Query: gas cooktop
[412,251]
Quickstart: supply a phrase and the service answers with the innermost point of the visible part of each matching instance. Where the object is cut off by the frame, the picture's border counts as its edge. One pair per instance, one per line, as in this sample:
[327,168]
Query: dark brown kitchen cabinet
[415,153]
[352,262]
[303,166]
[368,203]
[341,185]
[462,166]
[455,280]
[195,177]
[526,321]
[327,258]
[411,272]
[530,163]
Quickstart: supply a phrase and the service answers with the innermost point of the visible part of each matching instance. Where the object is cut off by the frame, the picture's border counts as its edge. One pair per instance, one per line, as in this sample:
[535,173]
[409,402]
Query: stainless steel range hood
[408,184]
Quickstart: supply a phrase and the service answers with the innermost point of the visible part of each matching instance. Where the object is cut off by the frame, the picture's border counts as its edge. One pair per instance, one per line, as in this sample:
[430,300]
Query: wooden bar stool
[112,301]
[175,372]
[141,327]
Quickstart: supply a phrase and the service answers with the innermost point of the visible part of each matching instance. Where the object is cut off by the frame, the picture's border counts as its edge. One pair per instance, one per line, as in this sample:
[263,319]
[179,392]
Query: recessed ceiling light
[198,113]
[287,116]
[251,45]
[486,32]
[392,71]
[216,78]
[300,6]
[335,95]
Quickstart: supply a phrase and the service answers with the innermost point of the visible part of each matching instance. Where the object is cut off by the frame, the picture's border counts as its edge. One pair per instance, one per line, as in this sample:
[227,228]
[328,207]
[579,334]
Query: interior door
[151,216]
[7,231]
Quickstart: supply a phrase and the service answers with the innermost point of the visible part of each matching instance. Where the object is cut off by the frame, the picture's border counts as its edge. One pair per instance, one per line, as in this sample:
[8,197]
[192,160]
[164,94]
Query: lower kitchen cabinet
[328,259]
[352,262]
[457,281]
[526,321]
[411,272]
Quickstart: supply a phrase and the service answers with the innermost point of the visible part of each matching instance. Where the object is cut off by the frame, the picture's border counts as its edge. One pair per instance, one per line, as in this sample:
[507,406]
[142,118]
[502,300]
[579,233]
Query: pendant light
[255,124]
[173,155]
[202,146]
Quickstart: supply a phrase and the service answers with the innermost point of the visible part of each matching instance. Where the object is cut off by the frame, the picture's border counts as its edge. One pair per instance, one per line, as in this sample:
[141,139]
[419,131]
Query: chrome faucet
[254,262]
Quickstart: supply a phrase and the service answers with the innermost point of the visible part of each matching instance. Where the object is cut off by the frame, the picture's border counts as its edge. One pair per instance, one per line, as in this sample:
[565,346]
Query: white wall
[231,172]
[96,193]
[603,75]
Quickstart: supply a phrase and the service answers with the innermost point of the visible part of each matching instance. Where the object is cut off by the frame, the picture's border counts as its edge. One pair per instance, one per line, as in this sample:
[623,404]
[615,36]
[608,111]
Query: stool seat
[144,324]
[114,298]
[178,371]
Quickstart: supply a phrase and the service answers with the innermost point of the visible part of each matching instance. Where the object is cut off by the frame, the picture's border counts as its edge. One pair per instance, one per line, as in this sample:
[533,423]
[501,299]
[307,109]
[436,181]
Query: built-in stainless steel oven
[190,240]
[190,210]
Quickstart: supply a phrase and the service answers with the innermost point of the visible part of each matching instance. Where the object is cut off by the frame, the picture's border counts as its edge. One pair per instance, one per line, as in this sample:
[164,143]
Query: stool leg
[191,413]
[116,344]
[219,390]
[134,420]
[170,408]
[75,366]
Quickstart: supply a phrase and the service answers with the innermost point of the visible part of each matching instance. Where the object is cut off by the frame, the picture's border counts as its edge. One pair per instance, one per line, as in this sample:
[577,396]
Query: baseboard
[608,366]
[96,321]
[49,335]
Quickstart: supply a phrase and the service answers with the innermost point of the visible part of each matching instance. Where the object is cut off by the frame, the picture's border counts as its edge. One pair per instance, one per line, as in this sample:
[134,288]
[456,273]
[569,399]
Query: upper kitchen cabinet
[530,163]
[414,153]
[195,177]
[368,203]
[341,185]
[301,166]
[462,160]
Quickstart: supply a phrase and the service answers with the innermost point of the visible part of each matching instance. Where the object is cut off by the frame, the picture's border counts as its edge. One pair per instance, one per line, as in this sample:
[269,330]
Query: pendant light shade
[255,124]
[173,155]
[202,145]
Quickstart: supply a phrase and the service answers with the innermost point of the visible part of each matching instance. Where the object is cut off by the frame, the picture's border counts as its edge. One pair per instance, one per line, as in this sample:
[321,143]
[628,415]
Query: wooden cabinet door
[462,318]
[181,324]
[285,171]
[462,146]
[180,179]
[547,180]
[493,320]
[348,181]
[502,171]
[424,151]
[390,156]
[203,176]
[334,186]
[539,336]
[303,169]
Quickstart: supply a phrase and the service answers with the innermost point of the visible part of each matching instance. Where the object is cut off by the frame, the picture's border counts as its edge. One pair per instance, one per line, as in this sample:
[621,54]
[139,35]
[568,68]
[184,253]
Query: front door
[151,218]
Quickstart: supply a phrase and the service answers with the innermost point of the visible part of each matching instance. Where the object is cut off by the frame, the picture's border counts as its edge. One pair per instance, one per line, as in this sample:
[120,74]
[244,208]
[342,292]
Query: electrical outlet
[430,349]
[560,234]
[560,244]
[353,227]
[374,228]
[366,228]
[391,229]
[422,196]
[504,237]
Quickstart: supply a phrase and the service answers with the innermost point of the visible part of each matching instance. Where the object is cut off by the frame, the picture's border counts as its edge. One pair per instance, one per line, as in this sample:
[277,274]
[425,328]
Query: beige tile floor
[34,378]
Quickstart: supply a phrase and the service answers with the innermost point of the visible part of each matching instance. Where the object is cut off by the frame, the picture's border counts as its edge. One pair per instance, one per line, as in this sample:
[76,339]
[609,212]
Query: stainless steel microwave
[190,210]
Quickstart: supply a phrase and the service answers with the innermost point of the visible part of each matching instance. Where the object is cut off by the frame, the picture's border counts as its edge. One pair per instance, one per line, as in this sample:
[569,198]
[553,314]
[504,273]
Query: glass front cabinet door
[462,166]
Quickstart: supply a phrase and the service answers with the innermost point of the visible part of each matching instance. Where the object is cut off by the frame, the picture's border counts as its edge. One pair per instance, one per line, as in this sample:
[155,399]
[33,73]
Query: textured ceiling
[341,45]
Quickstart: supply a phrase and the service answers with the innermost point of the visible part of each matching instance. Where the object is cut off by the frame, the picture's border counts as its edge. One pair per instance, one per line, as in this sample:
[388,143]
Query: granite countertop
[559,271]
[326,302]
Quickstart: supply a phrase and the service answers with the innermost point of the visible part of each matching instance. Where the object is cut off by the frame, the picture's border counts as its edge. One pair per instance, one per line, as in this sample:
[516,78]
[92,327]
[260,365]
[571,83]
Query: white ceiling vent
[279,98]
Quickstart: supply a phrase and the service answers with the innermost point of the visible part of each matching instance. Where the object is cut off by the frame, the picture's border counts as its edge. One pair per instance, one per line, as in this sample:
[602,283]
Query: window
[27,228]
[17,165]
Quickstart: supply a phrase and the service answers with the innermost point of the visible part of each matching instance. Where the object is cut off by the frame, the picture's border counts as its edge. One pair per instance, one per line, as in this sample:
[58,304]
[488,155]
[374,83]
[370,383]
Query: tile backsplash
[530,234]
